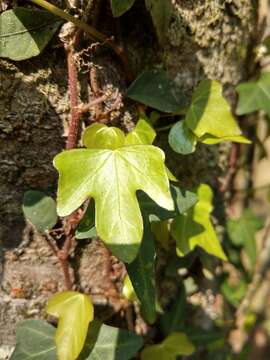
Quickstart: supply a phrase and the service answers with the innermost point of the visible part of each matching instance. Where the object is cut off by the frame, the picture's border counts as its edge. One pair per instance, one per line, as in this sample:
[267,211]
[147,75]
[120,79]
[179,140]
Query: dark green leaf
[34,340]
[86,228]
[181,139]
[161,13]
[110,343]
[24,33]
[40,210]
[142,274]
[153,88]
[119,7]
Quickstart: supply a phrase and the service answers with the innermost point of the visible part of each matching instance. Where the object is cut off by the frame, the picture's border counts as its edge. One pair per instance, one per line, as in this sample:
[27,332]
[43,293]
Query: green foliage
[86,228]
[24,33]
[34,340]
[75,312]
[40,210]
[194,228]
[234,293]
[143,133]
[174,345]
[110,343]
[112,178]
[119,7]
[153,88]
[242,233]
[254,95]
[181,139]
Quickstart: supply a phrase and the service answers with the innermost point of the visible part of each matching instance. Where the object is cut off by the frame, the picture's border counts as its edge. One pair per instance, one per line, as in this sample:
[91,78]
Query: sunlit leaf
[143,133]
[112,178]
[194,228]
[105,342]
[128,290]
[34,340]
[254,95]
[174,345]
[153,88]
[99,136]
[209,113]
[119,7]
[24,32]
[211,140]
[75,311]
[40,210]
[161,13]
[181,139]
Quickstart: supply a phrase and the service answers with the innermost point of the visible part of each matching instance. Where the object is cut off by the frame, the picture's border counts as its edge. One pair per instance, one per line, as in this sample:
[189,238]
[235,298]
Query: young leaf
[128,290]
[242,233]
[40,210]
[181,139]
[254,95]
[99,136]
[75,311]
[142,274]
[110,343]
[174,345]
[161,13]
[194,228]
[209,113]
[143,133]
[86,228]
[112,178]
[119,7]
[24,33]
[153,88]
[211,140]
[34,340]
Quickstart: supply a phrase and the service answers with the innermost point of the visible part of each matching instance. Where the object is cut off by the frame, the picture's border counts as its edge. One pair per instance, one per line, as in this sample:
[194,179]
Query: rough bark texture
[207,38]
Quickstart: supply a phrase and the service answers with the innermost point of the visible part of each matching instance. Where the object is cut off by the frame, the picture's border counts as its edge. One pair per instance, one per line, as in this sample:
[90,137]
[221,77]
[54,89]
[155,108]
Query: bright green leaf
[209,113]
[211,140]
[153,88]
[181,139]
[112,178]
[175,344]
[86,228]
[34,340]
[161,13]
[128,290]
[105,342]
[142,134]
[195,228]
[99,136]
[142,274]
[40,210]
[242,233]
[254,95]
[75,311]
[24,33]
[119,7]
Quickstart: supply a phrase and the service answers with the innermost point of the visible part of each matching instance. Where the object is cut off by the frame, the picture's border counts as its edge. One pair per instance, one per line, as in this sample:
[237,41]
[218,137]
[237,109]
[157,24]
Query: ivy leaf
[161,13]
[40,210]
[112,177]
[160,229]
[153,88]
[75,311]
[110,343]
[119,7]
[181,139]
[86,228]
[209,114]
[174,345]
[24,33]
[242,233]
[100,136]
[195,228]
[128,290]
[143,133]
[254,95]
[183,202]
[34,340]
[142,274]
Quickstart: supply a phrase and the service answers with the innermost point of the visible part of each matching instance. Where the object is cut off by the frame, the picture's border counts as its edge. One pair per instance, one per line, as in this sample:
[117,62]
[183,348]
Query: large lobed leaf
[24,33]
[75,311]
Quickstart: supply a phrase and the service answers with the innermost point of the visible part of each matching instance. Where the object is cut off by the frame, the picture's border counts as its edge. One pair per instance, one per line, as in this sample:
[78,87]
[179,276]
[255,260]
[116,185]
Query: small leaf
[128,290]
[24,33]
[211,140]
[75,311]
[175,344]
[183,202]
[40,210]
[34,340]
[86,228]
[181,139]
[254,95]
[142,274]
[194,228]
[209,113]
[153,88]
[161,13]
[99,136]
[242,233]
[110,343]
[119,7]
[142,134]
